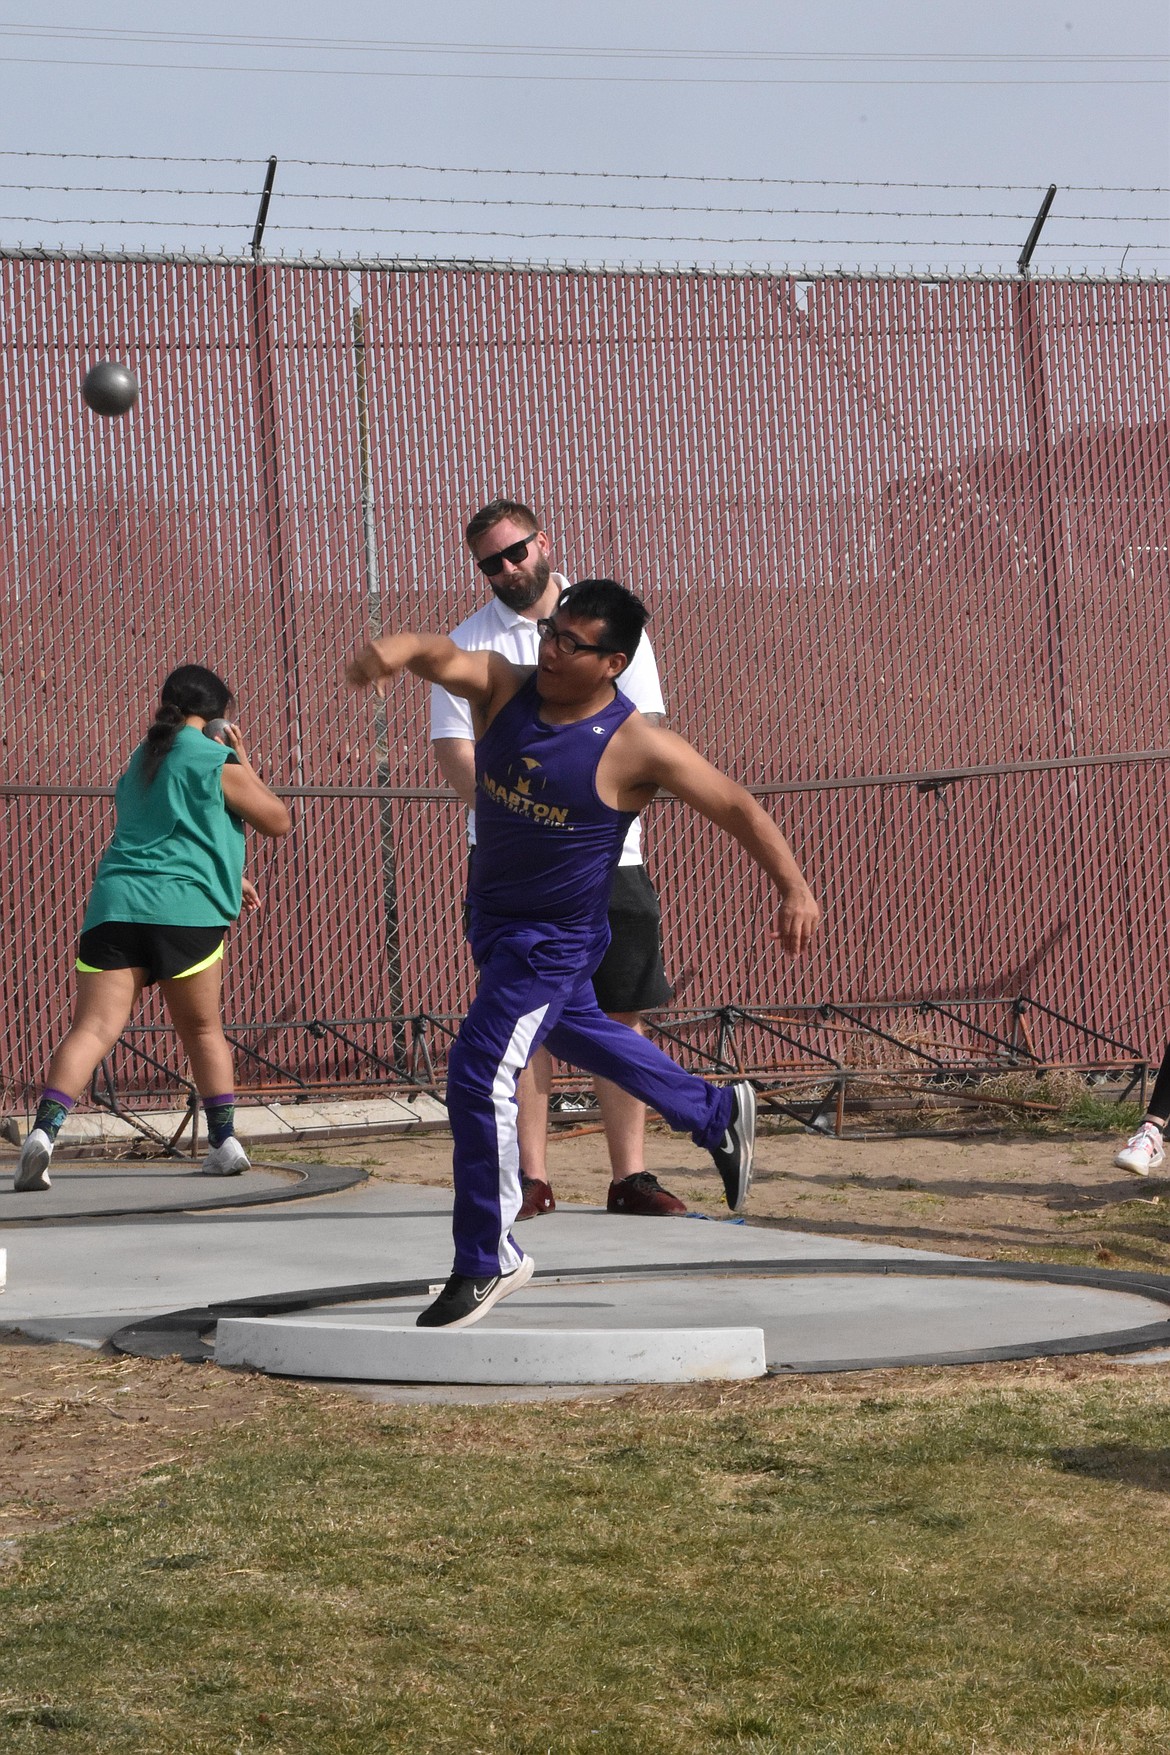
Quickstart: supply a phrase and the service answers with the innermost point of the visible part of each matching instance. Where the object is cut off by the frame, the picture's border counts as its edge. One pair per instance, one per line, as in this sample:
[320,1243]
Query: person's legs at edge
[632,1188]
[1144,1151]
[629,980]
[105,1001]
[193,1002]
[532,1095]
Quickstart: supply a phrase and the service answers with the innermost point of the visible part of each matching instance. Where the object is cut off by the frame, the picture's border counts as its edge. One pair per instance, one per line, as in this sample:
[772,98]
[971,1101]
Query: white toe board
[392,1353]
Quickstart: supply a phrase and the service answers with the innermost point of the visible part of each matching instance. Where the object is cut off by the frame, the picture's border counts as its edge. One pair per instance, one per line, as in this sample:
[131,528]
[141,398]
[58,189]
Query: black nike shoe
[464,1300]
[733,1155]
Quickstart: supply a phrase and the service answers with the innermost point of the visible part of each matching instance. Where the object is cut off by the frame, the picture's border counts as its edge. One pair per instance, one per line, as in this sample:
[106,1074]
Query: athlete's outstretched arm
[669,762]
[432,656]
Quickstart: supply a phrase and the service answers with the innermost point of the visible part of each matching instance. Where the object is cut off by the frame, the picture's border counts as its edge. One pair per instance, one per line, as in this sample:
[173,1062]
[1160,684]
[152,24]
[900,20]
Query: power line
[376,45]
[559,78]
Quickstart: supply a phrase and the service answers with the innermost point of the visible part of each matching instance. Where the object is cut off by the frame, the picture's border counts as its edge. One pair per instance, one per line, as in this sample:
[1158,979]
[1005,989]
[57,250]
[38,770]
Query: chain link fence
[901,542]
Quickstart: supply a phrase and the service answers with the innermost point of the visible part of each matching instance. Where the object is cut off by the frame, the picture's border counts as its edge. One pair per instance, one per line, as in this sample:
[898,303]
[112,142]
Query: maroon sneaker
[644,1195]
[538,1198]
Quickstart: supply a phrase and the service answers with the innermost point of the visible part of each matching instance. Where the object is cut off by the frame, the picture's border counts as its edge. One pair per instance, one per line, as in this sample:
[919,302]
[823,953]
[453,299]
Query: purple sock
[52,1109]
[221,1117]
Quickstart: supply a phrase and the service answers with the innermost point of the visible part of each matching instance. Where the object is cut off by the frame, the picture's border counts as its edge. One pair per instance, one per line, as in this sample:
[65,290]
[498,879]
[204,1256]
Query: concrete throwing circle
[658,1324]
[103,1189]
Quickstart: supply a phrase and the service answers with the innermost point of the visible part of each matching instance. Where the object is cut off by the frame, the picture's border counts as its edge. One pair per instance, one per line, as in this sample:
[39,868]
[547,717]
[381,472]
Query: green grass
[954,1566]
[1132,1234]
[1092,1114]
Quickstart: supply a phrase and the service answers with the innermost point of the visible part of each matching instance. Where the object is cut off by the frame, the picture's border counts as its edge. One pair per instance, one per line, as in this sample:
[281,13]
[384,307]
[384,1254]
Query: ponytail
[160,737]
[191,689]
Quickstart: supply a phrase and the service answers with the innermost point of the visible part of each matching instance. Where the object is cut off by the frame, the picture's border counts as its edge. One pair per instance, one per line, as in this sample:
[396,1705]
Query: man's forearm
[799,912]
[456,759]
[773,855]
[659,758]
[426,655]
[433,657]
[757,833]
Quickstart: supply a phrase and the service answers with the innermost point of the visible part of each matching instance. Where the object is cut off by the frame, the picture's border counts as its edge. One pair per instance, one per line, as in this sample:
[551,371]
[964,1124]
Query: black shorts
[167,953]
[630,976]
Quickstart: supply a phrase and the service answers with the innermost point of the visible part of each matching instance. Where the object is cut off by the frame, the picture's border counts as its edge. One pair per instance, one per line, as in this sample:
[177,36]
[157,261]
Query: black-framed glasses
[513,554]
[566,644]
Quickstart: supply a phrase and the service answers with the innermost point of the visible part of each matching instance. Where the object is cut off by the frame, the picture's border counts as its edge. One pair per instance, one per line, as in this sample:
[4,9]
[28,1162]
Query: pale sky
[797,116]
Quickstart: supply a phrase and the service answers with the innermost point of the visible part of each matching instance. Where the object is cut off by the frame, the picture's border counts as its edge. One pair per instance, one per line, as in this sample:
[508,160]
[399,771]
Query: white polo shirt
[496,628]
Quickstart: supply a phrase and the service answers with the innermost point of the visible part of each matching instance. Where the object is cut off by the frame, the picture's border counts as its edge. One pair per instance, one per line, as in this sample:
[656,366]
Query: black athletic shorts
[630,977]
[167,953]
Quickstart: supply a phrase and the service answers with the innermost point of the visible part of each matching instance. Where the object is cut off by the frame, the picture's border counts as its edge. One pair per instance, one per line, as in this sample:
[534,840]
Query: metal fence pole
[381,725]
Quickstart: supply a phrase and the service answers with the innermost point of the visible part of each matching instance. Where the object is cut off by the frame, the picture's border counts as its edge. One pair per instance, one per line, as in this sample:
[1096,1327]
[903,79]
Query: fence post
[1041,467]
[264,345]
[381,722]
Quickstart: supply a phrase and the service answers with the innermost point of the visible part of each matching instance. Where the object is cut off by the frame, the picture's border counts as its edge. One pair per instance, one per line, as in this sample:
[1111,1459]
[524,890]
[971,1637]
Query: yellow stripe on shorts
[197,968]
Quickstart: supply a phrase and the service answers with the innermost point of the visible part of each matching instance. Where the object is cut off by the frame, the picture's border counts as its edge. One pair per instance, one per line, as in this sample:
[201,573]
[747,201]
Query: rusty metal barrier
[904,545]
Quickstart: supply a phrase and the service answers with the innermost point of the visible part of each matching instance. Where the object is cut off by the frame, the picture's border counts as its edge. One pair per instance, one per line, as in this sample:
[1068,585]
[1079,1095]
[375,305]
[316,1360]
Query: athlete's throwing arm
[640,760]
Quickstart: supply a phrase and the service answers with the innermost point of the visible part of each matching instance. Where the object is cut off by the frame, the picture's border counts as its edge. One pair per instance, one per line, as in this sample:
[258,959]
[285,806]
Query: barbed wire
[772,242]
[342,164]
[1128,231]
[284,196]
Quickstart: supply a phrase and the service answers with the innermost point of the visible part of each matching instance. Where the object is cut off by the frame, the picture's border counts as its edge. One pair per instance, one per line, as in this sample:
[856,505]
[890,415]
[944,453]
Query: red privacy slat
[883,527]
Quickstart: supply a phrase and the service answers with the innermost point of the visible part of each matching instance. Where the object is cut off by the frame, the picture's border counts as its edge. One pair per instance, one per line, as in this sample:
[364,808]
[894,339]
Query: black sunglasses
[513,554]
[566,644]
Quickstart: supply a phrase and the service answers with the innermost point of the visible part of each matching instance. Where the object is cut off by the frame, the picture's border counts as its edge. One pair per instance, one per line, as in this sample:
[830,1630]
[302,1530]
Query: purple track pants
[536,988]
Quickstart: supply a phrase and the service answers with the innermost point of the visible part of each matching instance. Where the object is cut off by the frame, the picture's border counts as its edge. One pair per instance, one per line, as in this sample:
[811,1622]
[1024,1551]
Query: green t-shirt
[177,856]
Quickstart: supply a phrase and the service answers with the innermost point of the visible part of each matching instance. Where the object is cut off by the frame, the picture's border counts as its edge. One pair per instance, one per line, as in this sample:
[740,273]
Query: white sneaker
[226,1160]
[33,1169]
[1143,1152]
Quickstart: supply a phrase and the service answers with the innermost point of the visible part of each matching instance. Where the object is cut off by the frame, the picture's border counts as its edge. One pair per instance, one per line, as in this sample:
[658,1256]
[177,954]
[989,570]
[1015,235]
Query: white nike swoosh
[480,1296]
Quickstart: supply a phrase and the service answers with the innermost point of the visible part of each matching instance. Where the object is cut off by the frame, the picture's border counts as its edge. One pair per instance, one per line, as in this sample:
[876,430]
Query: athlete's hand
[380,662]
[363,669]
[231,736]
[251,900]
[797,922]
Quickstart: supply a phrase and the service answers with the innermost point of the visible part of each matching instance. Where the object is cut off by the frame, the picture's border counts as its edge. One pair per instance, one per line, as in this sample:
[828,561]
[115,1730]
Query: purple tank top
[545,845]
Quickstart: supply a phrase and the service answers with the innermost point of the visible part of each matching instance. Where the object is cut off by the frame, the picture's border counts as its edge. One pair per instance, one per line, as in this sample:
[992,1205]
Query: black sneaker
[733,1154]
[464,1300]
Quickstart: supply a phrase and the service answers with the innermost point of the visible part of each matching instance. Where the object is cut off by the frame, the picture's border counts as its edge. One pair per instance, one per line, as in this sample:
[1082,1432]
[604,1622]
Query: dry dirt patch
[77,1426]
